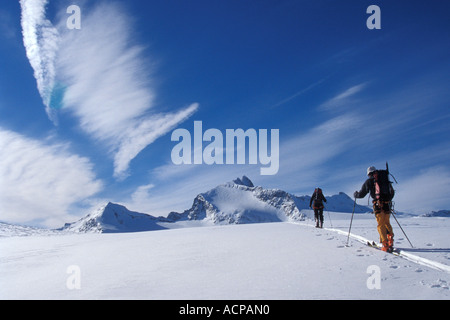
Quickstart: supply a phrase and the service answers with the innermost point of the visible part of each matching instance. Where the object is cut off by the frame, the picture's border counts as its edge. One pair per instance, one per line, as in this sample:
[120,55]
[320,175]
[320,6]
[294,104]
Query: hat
[370,170]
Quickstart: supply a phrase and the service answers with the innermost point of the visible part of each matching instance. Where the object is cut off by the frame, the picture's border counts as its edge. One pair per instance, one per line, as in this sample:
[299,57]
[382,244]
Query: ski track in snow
[403,252]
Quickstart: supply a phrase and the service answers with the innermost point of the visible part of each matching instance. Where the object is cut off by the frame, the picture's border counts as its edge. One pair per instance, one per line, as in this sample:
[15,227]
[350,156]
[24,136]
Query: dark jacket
[317,197]
[368,186]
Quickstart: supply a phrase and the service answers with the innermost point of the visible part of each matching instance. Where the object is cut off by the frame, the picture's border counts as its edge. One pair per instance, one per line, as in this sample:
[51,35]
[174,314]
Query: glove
[356,194]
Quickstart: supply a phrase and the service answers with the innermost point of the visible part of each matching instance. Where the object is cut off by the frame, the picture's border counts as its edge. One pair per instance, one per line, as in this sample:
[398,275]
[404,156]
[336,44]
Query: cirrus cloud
[41,181]
[40,39]
[100,76]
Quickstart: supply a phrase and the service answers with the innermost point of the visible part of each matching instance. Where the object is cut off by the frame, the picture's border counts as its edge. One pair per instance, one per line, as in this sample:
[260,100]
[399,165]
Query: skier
[381,208]
[318,199]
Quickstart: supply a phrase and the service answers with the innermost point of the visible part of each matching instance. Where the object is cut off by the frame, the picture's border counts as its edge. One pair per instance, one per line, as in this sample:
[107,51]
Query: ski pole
[351,221]
[393,214]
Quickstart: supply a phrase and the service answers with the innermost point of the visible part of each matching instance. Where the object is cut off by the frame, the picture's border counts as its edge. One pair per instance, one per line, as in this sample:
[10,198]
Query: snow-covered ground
[280,260]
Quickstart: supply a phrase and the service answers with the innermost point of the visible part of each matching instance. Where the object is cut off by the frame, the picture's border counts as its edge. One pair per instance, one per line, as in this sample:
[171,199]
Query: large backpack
[383,186]
[317,196]
[317,191]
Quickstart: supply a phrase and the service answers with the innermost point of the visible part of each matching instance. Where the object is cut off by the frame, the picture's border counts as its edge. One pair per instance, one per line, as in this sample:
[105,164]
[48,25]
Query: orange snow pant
[382,210]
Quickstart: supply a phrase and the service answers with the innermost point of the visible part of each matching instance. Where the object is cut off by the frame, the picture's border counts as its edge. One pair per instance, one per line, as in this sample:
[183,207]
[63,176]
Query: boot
[390,240]
[317,223]
[321,224]
[385,247]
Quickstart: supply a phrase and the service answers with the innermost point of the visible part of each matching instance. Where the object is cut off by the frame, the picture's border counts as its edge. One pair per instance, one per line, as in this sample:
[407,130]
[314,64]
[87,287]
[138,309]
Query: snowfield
[237,242]
[277,260]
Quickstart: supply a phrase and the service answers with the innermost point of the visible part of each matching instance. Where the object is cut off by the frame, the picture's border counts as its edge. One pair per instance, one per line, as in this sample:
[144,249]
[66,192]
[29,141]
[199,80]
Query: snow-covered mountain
[235,202]
[240,202]
[440,213]
[114,218]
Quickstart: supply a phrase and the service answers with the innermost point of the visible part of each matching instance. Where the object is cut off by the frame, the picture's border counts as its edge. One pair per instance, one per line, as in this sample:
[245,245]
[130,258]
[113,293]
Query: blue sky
[87,115]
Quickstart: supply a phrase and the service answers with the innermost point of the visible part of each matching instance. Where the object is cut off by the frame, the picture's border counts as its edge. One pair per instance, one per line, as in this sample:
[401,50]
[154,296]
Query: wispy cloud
[40,39]
[302,157]
[299,93]
[134,139]
[342,98]
[41,181]
[101,77]
[108,87]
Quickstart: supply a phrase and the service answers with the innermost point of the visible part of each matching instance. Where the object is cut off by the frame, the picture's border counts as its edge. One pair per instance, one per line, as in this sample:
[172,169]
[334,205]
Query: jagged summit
[241,202]
[244,181]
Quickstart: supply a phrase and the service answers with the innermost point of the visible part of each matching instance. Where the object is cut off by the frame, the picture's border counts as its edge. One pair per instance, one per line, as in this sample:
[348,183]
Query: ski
[373,244]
